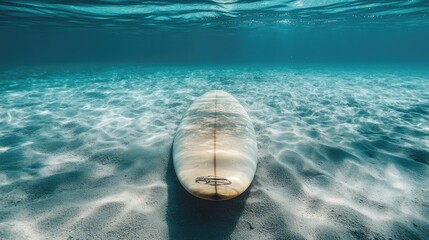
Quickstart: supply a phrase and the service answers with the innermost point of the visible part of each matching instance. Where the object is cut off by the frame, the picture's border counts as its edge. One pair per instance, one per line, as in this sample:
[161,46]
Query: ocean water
[92,92]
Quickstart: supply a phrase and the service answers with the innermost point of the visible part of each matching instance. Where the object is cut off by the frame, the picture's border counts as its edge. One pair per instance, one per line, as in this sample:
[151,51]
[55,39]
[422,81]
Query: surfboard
[215,149]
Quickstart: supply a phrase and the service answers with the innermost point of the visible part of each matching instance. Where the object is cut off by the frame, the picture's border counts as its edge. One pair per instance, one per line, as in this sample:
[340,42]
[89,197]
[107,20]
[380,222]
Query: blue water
[214,32]
[92,92]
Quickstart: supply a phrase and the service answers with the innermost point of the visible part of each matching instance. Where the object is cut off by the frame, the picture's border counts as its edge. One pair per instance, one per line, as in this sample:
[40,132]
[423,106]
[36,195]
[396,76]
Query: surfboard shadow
[189,217]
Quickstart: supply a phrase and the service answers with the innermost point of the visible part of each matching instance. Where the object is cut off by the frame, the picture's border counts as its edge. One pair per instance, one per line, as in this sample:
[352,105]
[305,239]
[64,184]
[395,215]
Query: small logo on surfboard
[213,180]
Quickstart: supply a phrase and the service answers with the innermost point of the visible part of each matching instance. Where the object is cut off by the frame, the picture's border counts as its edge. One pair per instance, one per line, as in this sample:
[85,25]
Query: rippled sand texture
[86,154]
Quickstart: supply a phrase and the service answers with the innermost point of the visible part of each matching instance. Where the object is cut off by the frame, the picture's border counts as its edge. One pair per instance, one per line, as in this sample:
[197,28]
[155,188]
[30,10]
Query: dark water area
[299,46]
[214,32]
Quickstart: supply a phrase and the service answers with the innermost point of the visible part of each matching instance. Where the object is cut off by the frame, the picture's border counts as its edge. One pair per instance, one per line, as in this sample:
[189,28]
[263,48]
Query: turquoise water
[214,32]
[92,92]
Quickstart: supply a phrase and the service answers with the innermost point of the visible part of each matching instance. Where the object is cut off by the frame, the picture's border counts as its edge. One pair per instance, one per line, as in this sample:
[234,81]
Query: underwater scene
[93,95]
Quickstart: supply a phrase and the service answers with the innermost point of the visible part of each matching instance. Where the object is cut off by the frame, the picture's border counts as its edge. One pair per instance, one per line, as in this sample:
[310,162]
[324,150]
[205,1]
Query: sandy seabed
[85,154]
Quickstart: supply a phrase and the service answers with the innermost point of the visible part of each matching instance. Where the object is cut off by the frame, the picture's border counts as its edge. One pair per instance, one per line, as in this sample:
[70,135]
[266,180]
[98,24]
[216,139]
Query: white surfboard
[215,150]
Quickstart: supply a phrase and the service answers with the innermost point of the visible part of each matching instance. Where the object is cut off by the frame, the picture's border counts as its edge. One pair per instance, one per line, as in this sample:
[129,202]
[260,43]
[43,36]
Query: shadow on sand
[189,217]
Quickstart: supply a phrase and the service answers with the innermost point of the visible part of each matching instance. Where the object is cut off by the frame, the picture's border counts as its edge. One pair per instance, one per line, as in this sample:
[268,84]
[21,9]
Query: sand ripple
[86,154]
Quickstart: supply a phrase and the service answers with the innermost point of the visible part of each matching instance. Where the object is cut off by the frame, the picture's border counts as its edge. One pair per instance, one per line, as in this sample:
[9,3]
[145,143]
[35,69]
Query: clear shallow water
[85,150]
[343,153]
